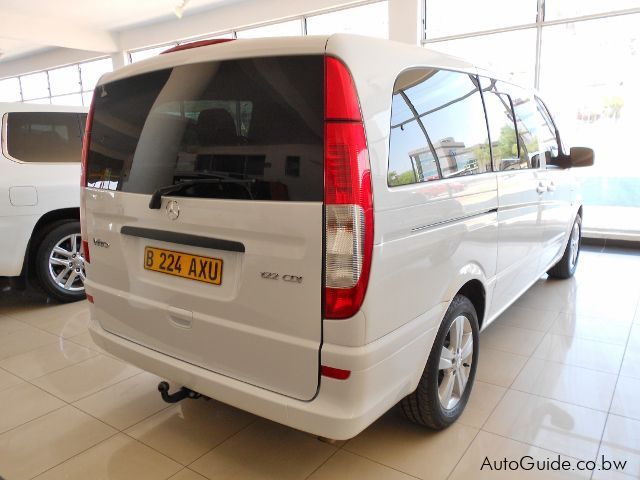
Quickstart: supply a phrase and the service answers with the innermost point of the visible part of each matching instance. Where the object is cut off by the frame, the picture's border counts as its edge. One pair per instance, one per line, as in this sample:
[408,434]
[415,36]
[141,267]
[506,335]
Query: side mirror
[578,157]
[535,161]
[581,156]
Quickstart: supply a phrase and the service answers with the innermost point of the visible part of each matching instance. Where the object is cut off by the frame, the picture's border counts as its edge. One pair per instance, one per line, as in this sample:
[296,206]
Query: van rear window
[256,124]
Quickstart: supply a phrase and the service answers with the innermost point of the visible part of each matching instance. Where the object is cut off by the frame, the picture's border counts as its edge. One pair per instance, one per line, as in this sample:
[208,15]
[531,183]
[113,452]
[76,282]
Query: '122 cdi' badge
[284,278]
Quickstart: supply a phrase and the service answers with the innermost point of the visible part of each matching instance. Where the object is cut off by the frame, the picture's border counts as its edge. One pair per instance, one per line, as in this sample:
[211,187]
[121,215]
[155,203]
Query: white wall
[405,21]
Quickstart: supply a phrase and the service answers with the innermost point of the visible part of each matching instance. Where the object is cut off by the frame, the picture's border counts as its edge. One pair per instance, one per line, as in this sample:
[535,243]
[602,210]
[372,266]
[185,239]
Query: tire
[50,264]
[567,265]
[424,406]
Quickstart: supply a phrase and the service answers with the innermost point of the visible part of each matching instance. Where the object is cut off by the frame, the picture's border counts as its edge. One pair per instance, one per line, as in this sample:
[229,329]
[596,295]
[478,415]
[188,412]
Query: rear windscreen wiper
[156,198]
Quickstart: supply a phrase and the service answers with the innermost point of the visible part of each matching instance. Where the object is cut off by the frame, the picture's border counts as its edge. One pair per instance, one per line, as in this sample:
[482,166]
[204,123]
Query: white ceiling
[32,25]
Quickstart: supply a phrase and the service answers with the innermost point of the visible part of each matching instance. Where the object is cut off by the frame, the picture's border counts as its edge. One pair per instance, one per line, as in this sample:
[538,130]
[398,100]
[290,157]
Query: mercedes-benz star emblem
[173,210]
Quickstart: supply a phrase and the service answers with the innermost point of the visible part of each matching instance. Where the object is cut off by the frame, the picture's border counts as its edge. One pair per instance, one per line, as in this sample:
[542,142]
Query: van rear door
[204,208]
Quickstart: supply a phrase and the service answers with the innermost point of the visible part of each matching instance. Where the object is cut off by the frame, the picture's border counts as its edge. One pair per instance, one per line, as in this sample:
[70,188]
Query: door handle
[551,187]
[541,188]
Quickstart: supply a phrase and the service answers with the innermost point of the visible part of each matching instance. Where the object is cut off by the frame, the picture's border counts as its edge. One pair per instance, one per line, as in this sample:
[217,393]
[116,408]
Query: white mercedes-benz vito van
[40,205]
[314,229]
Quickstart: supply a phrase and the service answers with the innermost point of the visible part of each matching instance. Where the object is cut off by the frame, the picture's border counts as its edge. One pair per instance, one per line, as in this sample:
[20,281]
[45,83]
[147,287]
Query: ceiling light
[179,8]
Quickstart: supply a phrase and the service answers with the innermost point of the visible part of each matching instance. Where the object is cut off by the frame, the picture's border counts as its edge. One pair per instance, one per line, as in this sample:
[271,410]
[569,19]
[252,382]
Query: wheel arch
[44,225]
[471,282]
[474,290]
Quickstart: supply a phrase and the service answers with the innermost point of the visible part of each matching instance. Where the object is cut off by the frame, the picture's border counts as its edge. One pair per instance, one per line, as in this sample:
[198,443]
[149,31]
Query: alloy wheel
[456,358]
[574,245]
[66,264]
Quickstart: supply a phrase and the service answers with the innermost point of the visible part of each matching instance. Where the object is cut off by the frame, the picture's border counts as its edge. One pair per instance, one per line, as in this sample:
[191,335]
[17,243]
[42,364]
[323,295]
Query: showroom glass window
[68,85]
[10,90]
[582,55]
[90,73]
[34,86]
[444,17]
[595,102]
[371,19]
[143,54]
[290,28]
[427,140]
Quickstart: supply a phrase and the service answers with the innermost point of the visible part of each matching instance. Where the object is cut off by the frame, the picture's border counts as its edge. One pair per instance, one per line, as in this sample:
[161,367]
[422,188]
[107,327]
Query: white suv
[40,205]
[313,229]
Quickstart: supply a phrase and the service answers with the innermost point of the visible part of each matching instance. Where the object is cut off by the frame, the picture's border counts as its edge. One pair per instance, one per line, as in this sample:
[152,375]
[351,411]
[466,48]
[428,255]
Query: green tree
[507,144]
[482,154]
[403,178]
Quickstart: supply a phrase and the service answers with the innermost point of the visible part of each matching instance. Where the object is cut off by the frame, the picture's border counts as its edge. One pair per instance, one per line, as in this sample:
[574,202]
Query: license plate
[185,265]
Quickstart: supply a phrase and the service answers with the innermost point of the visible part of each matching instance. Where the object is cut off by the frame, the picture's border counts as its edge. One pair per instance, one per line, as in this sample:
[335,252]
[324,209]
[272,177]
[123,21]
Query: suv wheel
[566,267]
[446,382]
[59,263]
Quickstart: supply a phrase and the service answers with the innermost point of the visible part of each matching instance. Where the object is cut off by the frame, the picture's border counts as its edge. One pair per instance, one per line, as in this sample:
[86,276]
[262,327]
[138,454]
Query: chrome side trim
[453,220]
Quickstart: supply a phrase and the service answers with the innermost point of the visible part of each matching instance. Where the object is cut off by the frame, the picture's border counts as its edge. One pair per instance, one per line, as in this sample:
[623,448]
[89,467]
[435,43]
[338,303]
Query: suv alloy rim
[66,264]
[456,358]
[574,244]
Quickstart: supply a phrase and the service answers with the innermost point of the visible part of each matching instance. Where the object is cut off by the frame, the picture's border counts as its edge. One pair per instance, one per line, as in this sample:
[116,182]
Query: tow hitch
[184,392]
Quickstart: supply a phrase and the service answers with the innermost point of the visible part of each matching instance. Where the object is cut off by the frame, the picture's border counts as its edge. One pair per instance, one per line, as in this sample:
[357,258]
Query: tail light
[83,183]
[348,197]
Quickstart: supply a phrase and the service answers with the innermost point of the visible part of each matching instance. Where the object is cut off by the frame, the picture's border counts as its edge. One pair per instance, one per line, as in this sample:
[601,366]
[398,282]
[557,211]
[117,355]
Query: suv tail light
[83,184]
[348,197]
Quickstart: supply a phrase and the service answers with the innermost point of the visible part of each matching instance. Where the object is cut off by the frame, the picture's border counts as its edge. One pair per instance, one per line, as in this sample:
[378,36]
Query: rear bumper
[383,372]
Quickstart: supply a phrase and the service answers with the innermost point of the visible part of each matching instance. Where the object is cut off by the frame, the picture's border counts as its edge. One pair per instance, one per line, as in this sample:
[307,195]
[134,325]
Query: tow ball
[184,392]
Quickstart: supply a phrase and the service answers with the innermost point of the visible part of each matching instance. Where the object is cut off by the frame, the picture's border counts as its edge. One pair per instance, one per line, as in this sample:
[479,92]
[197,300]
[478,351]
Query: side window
[502,126]
[438,127]
[407,145]
[528,127]
[44,137]
[547,130]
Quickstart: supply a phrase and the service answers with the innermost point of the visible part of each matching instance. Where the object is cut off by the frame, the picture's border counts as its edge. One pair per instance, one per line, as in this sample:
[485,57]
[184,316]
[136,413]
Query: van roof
[340,44]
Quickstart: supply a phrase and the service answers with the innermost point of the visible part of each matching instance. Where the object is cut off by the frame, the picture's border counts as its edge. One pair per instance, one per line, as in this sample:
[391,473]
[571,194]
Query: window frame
[532,96]
[513,116]
[556,130]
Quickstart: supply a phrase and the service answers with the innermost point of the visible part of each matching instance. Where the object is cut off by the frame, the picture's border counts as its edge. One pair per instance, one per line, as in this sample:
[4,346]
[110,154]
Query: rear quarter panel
[50,186]
[56,187]
[430,238]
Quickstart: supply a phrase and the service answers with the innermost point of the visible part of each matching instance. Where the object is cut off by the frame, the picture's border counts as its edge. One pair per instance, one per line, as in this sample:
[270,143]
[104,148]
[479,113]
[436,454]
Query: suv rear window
[45,136]
[256,124]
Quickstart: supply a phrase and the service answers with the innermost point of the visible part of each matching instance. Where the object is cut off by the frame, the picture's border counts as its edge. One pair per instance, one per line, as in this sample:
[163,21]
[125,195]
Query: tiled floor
[559,373]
